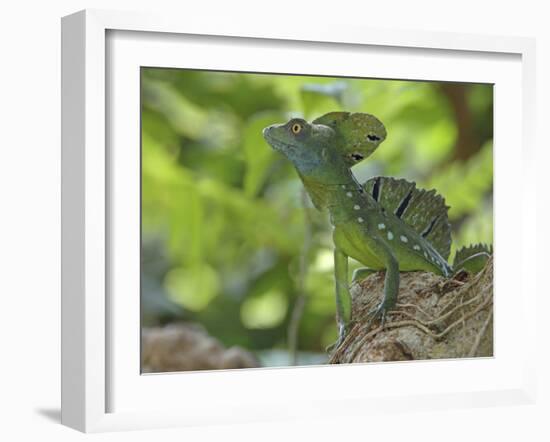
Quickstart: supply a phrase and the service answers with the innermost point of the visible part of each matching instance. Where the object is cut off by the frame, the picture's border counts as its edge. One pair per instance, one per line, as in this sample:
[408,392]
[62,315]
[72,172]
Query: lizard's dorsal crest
[472,258]
[357,134]
[423,210]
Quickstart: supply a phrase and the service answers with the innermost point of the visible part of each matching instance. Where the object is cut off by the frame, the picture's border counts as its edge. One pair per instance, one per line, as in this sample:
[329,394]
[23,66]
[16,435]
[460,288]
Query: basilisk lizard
[385,224]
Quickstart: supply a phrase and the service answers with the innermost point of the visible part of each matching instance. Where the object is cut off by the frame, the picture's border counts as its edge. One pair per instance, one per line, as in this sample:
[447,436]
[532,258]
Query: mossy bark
[434,318]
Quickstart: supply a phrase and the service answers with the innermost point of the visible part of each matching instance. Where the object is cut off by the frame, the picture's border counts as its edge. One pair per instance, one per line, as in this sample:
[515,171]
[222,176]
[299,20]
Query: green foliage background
[223,218]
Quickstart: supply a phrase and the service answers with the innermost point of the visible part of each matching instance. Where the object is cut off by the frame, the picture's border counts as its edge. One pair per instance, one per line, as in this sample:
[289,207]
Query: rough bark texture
[434,318]
[183,347]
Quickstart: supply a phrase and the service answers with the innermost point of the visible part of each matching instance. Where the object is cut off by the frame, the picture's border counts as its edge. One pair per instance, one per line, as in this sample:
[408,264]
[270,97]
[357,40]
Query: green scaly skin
[323,153]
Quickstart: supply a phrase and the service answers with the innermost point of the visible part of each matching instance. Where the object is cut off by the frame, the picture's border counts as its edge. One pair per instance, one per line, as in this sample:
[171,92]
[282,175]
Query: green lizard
[385,224]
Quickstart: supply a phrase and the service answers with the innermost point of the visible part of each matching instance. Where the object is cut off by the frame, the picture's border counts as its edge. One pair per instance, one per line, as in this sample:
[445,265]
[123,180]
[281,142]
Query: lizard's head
[306,145]
[333,142]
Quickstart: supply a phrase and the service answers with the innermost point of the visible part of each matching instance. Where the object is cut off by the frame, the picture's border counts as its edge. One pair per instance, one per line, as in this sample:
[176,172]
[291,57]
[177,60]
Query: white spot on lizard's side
[404,238]
[360,219]
[390,236]
[381,226]
[356,207]
[343,186]
[349,194]
[416,247]
[425,255]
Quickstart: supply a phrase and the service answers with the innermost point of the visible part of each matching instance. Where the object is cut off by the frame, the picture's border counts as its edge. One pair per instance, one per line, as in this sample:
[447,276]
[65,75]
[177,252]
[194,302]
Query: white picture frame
[94,365]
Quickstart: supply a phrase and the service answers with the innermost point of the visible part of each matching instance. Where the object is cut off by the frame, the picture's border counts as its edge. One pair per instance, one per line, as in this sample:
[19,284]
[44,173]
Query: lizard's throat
[327,195]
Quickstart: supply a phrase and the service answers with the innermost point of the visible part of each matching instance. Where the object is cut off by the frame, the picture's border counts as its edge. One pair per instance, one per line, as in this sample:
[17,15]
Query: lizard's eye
[296,128]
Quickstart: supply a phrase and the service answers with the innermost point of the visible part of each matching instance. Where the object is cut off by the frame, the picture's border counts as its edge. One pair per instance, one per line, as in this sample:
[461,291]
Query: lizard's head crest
[357,135]
[330,143]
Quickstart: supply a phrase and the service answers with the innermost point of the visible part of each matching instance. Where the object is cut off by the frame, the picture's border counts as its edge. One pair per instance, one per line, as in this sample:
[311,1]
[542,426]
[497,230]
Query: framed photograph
[266,223]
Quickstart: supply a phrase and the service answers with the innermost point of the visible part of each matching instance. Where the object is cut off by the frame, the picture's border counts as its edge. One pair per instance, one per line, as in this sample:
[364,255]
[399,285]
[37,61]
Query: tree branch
[435,318]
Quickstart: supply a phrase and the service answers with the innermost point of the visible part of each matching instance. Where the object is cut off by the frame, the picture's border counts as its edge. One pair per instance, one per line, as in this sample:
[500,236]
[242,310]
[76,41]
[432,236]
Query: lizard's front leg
[343,297]
[391,287]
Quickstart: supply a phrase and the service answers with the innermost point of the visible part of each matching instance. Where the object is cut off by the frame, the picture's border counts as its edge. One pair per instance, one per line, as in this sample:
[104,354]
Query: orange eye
[296,128]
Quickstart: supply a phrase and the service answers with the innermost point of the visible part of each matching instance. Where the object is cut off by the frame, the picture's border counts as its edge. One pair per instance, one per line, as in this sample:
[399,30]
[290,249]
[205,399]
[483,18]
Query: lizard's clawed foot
[332,347]
[342,333]
[377,313]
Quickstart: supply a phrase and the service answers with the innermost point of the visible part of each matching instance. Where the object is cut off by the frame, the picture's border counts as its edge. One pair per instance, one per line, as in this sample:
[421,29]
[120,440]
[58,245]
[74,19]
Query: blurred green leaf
[265,311]
[259,155]
[465,184]
[192,287]
[184,116]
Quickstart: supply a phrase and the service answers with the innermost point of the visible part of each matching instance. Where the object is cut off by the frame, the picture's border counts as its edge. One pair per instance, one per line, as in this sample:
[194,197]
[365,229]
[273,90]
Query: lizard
[384,224]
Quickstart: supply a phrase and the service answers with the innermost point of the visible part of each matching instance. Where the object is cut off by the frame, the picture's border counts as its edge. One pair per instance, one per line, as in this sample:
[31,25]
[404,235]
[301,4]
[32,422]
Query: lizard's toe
[377,313]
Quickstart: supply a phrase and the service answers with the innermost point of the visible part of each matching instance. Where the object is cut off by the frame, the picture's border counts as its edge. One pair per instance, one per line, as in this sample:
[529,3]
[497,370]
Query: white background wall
[30,220]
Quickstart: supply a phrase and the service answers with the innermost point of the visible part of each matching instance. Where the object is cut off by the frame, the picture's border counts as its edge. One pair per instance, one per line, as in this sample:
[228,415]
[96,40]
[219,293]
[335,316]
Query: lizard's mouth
[275,143]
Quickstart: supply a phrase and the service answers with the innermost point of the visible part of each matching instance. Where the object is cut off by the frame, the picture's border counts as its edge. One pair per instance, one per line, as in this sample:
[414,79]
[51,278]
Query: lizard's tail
[472,258]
